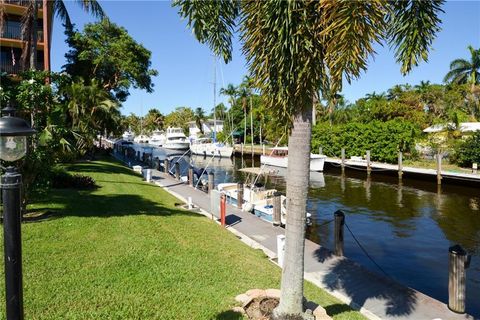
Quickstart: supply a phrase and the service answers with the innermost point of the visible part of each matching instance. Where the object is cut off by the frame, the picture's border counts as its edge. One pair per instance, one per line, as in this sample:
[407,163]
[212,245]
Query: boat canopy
[258,171]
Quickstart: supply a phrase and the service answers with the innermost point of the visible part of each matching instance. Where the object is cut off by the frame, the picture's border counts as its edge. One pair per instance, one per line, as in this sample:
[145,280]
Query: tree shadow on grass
[229,315]
[103,167]
[85,204]
[360,285]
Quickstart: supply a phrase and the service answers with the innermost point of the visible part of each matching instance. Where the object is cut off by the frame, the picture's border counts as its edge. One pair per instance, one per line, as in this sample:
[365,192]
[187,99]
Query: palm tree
[244,93]
[291,47]
[199,117]
[230,91]
[465,71]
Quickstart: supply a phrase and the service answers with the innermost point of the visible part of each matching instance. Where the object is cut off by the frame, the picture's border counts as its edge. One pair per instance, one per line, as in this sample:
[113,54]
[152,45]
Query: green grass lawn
[124,251]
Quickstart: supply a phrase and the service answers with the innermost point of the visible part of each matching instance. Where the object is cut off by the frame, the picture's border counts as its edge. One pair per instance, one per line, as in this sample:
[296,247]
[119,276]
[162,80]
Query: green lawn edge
[125,251]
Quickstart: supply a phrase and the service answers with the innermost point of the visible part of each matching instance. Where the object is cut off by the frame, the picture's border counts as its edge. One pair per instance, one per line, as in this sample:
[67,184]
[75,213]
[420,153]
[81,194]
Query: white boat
[128,136]
[176,139]
[206,147]
[141,139]
[157,138]
[279,158]
[256,198]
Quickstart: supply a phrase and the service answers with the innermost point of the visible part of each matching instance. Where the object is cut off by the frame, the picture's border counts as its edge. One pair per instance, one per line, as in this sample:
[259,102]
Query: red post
[223,209]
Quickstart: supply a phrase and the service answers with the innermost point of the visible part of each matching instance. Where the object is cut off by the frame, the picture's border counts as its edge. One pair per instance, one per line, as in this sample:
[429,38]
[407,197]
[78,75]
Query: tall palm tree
[54,8]
[231,92]
[291,47]
[199,115]
[465,71]
[244,93]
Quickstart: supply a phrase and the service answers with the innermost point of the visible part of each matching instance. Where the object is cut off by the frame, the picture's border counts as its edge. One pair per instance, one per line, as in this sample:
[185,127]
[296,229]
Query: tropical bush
[383,139]
[468,152]
[61,179]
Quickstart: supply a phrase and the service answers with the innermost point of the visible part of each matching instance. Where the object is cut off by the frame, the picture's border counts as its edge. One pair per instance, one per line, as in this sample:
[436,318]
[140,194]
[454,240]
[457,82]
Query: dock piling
[166,166]
[223,209]
[190,176]
[241,147]
[475,168]
[369,165]
[277,209]
[343,159]
[320,150]
[177,170]
[339,223]
[400,165]
[439,168]
[459,260]
[211,177]
[240,195]
[263,149]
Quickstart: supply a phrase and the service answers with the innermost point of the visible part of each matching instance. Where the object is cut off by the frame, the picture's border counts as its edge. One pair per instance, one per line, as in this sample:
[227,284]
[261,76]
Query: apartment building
[11,43]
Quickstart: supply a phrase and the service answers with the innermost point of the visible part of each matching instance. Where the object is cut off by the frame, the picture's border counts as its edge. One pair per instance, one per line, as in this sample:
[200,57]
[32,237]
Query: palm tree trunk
[33,45]
[291,299]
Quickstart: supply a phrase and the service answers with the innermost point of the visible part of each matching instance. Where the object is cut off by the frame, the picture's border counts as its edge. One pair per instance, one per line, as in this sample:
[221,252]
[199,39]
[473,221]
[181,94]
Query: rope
[366,253]
[271,152]
[325,223]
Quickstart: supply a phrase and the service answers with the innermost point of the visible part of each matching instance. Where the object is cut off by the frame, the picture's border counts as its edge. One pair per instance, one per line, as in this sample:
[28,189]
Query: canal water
[406,228]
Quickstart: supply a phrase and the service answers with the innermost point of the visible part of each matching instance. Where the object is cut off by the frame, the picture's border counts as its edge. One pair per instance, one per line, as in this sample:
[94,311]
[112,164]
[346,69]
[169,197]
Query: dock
[376,296]
[377,167]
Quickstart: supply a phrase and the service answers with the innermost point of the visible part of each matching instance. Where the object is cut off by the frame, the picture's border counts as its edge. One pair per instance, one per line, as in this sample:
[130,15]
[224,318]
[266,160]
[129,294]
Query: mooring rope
[366,253]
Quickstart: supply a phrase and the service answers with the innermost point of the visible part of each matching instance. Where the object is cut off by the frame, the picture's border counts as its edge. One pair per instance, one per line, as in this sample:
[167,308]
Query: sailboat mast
[214,98]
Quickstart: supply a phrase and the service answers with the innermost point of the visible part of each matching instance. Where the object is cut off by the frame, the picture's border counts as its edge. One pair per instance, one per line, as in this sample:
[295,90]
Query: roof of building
[464,127]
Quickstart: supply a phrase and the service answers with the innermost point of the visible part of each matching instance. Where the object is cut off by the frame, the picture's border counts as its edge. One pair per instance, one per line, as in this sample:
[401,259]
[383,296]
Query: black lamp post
[13,146]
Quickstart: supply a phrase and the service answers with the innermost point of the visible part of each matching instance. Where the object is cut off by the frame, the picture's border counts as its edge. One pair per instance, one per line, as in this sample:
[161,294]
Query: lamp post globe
[13,146]
[13,135]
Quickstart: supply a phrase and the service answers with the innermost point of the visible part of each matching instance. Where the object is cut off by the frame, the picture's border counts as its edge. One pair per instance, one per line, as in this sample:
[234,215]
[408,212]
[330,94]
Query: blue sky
[186,67]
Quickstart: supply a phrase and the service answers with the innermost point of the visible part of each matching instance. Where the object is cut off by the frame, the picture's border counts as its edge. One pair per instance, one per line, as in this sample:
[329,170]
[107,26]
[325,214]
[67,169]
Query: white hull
[260,203]
[211,149]
[316,161]
[177,145]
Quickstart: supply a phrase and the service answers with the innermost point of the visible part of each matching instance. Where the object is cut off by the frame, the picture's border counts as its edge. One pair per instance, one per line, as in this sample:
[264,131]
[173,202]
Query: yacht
[141,139]
[128,136]
[206,147]
[176,139]
[157,138]
[279,158]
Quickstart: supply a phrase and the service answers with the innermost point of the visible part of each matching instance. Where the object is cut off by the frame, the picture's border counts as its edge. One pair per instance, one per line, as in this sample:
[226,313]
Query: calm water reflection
[406,227]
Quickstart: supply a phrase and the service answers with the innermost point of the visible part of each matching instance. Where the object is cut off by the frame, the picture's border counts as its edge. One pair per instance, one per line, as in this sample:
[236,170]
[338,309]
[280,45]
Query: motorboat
[128,136]
[157,138]
[256,197]
[279,158]
[176,139]
[206,147]
[141,139]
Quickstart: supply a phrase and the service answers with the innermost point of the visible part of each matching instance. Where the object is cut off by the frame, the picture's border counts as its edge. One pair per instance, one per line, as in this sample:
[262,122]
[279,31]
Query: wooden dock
[376,296]
[376,167]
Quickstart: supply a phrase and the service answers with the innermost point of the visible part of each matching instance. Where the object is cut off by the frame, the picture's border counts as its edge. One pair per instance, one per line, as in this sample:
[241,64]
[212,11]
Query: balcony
[14,31]
[22,3]
[6,66]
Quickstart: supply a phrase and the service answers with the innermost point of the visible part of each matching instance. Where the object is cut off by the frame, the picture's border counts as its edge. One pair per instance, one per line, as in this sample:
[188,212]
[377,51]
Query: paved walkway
[375,296]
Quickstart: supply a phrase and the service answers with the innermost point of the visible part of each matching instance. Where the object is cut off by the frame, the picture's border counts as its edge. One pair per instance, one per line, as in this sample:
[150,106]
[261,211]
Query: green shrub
[468,152]
[62,179]
[383,139]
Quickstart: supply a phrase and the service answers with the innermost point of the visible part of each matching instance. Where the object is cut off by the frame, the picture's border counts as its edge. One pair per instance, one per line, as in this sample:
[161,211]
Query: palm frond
[212,22]
[93,7]
[62,13]
[460,64]
[412,25]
